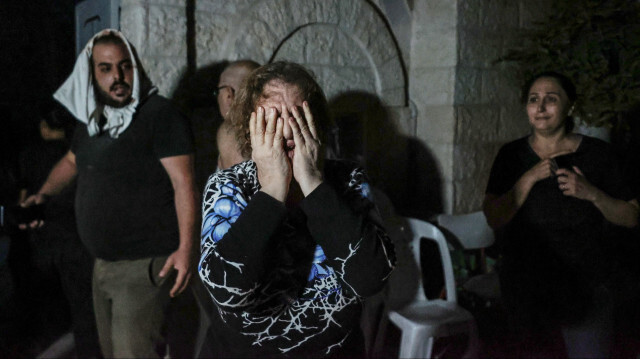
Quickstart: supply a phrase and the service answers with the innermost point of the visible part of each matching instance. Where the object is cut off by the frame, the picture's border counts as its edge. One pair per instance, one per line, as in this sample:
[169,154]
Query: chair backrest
[471,230]
[420,229]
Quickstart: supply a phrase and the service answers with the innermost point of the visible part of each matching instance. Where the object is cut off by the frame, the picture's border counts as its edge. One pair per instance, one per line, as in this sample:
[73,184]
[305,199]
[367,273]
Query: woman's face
[547,106]
[278,94]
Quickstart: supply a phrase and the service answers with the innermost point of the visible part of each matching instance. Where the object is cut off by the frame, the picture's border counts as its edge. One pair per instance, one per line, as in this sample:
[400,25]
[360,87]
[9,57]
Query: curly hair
[251,92]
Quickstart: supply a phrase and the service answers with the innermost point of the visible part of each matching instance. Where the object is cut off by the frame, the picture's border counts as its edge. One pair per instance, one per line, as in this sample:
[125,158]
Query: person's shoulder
[156,100]
[513,148]
[243,174]
[163,117]
[158,104]
[593,145]
[516,144]
[588,141]
[239,181]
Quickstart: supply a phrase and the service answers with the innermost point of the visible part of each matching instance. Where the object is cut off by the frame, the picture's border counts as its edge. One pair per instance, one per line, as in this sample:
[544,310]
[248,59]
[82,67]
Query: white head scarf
[77,93]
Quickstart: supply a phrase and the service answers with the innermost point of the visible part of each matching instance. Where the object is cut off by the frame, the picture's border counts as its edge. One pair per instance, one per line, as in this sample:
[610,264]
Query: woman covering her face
[291,242]
[550,198]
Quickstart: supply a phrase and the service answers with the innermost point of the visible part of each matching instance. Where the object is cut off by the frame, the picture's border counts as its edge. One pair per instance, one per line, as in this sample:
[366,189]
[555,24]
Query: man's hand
[32,200]
[179,260]
[306,161]
[274,169]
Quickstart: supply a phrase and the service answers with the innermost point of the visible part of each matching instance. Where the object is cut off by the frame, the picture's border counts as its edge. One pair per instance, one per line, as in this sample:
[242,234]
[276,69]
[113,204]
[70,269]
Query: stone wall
[487,111]
[432,84]
[346,43]
[157,28]
[438,86]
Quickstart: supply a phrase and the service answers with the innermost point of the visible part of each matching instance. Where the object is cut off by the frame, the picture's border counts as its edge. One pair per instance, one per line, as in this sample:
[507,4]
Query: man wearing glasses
[230,80]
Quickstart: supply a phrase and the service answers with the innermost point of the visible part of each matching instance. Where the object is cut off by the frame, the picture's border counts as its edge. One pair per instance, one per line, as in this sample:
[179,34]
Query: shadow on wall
[399,166]
[194,96]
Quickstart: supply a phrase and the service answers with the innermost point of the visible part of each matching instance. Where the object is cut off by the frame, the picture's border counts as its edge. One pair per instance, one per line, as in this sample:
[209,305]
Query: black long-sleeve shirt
[291,281]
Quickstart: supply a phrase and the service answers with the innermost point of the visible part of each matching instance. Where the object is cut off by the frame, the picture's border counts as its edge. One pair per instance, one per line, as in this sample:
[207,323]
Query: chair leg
[473,348]
[378,344]
[412,344]
[427,348]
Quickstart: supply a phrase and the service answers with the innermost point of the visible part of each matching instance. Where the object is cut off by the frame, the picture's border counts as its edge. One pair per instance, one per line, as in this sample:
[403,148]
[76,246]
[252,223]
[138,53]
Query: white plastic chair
[472,232]
[471,229]
[423,320]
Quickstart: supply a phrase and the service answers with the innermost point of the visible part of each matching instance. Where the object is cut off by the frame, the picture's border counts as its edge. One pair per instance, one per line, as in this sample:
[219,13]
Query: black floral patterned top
[290,281]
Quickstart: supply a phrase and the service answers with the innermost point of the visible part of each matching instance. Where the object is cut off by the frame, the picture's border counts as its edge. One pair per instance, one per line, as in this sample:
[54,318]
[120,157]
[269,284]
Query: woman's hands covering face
[274,168]
[306,159]
[269,149]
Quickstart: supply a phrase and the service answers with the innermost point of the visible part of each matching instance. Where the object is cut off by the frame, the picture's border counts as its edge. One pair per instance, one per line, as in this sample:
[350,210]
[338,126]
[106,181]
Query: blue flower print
[317,269]
[229,189]
[318,255]
[226,208]
[220,230]
[226,211]
[207,225]
[215,227]
[365,190]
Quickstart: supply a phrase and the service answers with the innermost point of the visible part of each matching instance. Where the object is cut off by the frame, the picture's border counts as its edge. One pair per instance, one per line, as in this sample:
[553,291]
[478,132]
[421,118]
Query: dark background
[38,52]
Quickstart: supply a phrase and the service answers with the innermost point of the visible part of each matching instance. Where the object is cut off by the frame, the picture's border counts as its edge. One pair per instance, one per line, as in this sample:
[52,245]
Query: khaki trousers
[130,301]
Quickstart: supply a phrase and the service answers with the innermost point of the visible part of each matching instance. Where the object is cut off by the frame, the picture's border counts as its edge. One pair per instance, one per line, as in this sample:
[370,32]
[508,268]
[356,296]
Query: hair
[247,64]
[251,92]
[108,38]
[565,83]
[58,119]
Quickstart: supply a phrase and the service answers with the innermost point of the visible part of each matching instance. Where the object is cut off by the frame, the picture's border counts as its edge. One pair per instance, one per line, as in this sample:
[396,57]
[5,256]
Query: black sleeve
[234,237]
[246,241]
[349,229]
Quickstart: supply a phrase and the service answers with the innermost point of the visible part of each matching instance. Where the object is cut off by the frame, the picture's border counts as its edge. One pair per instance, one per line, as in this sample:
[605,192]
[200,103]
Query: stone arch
[335,57]
[262,29]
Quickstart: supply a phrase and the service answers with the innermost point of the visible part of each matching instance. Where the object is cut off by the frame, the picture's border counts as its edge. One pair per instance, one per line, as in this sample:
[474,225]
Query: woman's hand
[575,184]
[543,169]
[306,159]
[617,211]
[274,169]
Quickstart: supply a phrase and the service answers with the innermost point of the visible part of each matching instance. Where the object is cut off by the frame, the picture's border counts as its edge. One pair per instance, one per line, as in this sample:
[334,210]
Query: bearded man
[132,156]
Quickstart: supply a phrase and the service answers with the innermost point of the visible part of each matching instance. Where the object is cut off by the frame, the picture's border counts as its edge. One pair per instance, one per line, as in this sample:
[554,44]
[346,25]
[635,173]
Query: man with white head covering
[136,200]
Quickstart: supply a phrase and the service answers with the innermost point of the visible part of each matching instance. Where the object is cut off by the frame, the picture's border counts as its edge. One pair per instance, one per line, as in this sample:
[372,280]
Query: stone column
[158,29]
[488,112]
[432,83]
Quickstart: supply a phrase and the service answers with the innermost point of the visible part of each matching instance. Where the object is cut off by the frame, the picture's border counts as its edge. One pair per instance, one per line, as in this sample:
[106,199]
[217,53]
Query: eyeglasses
[217,91]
